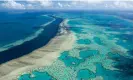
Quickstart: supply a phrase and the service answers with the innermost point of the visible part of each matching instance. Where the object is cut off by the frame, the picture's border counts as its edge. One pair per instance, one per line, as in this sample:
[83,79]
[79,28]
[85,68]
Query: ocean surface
[15,28]
[33,34]
[103,49]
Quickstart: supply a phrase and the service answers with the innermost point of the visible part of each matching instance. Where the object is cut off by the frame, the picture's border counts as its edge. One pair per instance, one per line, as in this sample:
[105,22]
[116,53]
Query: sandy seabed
[43,56]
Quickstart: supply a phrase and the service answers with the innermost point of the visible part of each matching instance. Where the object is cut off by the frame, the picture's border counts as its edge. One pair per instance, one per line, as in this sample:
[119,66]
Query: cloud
[29,4]
[89,1]
[123,4]
[43,3]
[60,5]
[11,4]
[68,4]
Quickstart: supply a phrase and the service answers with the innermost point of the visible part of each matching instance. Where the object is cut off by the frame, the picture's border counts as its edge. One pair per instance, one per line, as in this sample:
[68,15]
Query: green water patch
[25,77]
[70,61]
[75,22]
[83,41]
[78,30]
[98,40]
[88,53]
[124,64]
[78,22]
[113,55]
[107,74]
[130,52]
[36,76]
[111,36]
[85,74]
[125,43]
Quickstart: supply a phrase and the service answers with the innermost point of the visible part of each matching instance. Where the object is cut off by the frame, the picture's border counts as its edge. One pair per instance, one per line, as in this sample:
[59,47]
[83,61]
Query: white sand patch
[41,57]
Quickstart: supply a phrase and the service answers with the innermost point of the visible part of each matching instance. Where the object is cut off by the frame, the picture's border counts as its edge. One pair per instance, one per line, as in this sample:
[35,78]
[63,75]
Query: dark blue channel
[17,51]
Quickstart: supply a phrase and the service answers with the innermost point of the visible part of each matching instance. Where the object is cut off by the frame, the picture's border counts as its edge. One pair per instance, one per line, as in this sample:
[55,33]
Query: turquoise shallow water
[98,40]
[88,53]
[69,60]
[103,49]
[85,74]
[36,76]
[84,41]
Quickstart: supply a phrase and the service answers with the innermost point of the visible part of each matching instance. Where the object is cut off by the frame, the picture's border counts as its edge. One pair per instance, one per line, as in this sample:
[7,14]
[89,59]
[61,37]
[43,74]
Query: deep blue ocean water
[18,26]
[28,46]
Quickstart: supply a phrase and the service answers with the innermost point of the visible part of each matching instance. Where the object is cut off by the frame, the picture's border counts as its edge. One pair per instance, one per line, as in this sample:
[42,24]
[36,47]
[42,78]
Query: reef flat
[102,50]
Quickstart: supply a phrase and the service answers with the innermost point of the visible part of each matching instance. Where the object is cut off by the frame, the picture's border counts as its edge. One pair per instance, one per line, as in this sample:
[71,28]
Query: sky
[66,4]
